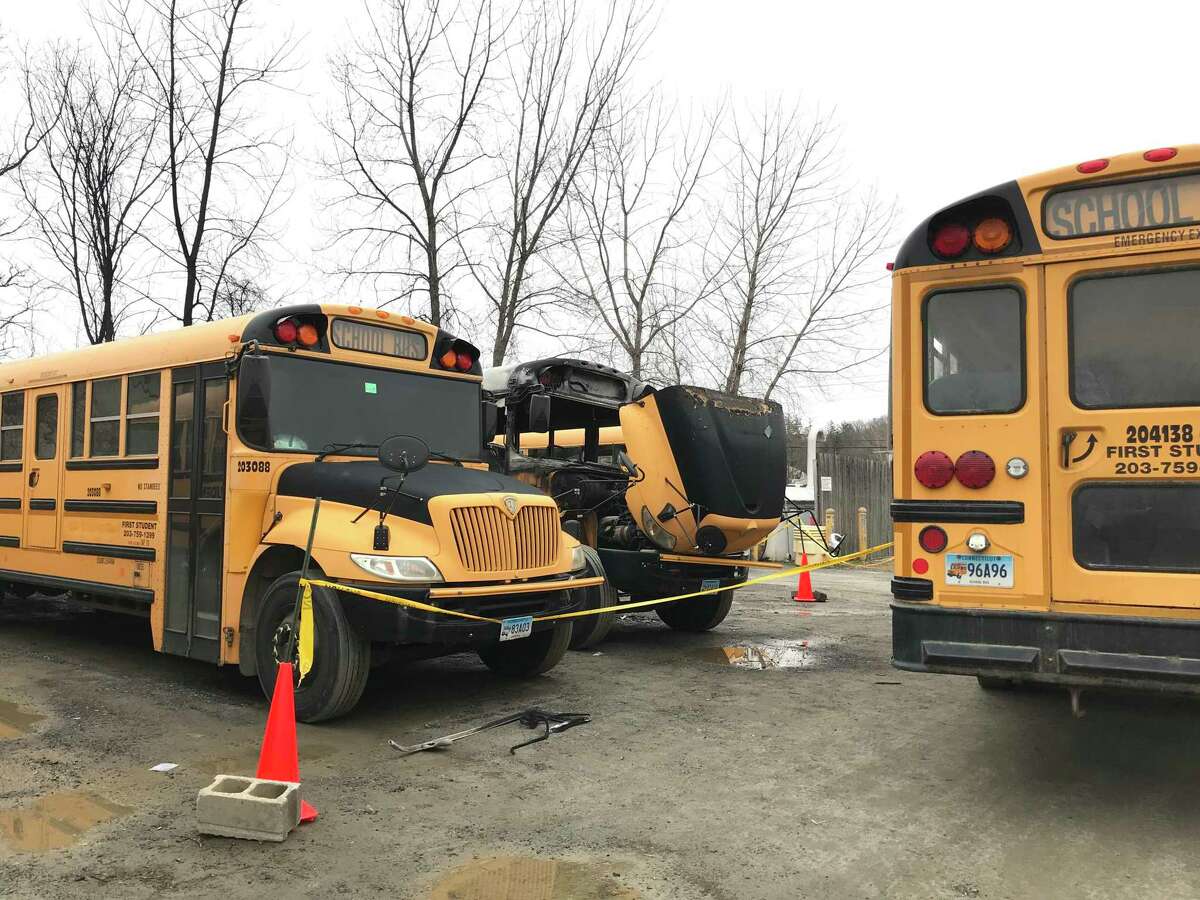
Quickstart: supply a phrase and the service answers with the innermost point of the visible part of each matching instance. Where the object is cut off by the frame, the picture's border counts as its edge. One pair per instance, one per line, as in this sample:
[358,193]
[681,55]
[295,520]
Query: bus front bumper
[1142,653]
[649,574]
[378,620]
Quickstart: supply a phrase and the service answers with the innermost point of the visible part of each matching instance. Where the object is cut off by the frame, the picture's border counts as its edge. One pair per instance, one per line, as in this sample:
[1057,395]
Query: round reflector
[464,362]
[932,539]
[286,331]
[951,240]
[448,359]
[1162,154]
[307,335]
[1092,166]
[975,469]
[920,566]
[993,235]
[934,469]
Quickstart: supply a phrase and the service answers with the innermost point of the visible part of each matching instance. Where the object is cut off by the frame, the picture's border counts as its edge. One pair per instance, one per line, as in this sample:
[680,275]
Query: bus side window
[141,414]
[45,435]
[78,416]
[106,417]
[12,421]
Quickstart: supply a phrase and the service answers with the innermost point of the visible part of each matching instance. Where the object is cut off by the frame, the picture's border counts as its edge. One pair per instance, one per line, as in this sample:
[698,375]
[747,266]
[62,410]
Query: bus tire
[527,657]
[341,657]
[697,614]
[588,631]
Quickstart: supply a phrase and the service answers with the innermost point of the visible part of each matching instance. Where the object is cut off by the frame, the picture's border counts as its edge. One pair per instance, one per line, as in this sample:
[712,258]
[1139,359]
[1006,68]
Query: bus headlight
[656,532]
[397,568]
[578,559]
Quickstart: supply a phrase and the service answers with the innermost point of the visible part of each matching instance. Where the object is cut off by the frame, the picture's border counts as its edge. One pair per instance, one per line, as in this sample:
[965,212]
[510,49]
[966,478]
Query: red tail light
[934,469]
[286,331]
[464,362]
[975,469]
[932,539]
[951,240]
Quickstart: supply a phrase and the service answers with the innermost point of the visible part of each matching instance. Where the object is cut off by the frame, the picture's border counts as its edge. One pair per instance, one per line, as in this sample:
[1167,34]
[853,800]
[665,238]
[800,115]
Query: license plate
[516,627]
[979,570]
[709,583]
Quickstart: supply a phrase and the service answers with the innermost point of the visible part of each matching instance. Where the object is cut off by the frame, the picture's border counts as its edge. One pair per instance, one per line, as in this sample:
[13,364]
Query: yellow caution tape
[306,640]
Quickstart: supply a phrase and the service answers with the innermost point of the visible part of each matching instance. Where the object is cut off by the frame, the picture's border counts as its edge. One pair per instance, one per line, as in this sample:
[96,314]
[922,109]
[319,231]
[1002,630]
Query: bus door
[196,512]
[1124,429]
[43,479]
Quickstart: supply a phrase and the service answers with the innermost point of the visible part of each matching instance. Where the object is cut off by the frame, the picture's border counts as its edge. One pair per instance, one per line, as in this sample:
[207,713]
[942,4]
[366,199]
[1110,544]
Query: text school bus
[1046,396]
[667,488]
[174,476]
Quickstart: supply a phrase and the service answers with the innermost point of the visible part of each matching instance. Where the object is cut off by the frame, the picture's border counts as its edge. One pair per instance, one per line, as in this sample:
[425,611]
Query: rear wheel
[698,613]
[588,631]
[341,658]
[526,657]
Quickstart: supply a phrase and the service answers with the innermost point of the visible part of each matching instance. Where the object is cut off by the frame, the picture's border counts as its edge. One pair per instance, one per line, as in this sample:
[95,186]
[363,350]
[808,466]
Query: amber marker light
[992,235]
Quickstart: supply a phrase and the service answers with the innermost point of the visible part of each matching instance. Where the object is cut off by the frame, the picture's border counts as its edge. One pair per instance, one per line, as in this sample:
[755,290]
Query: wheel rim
[280,638]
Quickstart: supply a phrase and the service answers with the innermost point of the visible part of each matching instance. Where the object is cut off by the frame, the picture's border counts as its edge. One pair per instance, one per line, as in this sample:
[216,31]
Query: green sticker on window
[369,387]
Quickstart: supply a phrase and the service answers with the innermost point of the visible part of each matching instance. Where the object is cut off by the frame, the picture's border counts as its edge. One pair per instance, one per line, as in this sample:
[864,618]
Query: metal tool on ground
[550,722]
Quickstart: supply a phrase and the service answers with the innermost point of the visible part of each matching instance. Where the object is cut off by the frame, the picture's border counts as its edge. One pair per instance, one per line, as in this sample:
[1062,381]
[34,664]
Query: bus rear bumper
[1072,650]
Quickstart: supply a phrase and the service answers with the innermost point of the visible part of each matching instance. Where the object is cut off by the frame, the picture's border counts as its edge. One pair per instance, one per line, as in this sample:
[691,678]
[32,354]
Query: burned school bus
[667,489]
[174,476]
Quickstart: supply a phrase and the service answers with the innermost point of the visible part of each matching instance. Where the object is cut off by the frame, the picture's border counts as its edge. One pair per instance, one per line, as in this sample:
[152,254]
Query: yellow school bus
[174,476]
[1046,402]
[667,488]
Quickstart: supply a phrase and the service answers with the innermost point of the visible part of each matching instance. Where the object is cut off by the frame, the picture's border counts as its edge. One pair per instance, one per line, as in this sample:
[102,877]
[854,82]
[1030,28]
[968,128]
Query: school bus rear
[1046,403]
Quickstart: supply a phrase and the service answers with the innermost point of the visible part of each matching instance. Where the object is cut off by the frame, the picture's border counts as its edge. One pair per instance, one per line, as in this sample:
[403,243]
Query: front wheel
[526,657]
[341,658]
[588,631]
[698,613]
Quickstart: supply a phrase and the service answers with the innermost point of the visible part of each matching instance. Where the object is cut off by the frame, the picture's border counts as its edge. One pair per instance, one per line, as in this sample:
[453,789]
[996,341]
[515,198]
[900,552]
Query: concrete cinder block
[250,808]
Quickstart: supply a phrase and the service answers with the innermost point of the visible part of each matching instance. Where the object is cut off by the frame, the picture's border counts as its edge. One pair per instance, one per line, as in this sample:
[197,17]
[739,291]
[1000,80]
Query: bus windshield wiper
[330,449]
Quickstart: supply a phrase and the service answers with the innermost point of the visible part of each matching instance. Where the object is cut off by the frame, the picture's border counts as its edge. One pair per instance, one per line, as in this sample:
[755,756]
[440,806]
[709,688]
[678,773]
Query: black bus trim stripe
[100,465]
[10,502]
[140,595]
[147,507]
[43,504]
[11,467]
[7,540]
[117,551]
[969,512]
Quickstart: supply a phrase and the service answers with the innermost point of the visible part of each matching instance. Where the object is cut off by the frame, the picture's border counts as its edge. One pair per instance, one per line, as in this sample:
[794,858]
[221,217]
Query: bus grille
[490,541]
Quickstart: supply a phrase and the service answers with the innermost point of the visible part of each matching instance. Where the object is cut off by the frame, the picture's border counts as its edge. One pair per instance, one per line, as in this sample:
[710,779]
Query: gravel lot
[835,776]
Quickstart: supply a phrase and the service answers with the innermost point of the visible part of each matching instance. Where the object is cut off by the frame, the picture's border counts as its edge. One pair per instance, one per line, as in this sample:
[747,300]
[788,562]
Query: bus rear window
[1134,339]
[974,351]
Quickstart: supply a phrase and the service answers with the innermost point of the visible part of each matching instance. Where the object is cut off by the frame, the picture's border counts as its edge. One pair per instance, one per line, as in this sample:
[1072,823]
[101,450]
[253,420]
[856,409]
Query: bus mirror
[491,421]
[539,413]
[254,399]
[404,453]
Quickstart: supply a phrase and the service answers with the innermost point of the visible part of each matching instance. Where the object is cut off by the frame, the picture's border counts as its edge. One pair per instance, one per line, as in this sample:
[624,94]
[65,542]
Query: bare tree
[561,78]
[223,172]
[636,265]
[95,183]
[407,144]
[797,250]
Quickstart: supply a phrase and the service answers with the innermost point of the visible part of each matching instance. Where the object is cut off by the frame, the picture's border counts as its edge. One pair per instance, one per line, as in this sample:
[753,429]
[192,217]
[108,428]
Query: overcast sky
[935,100]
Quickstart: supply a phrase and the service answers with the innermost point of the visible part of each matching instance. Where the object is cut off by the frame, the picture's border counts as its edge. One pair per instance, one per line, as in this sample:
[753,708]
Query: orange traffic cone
[804,591]
[279,759]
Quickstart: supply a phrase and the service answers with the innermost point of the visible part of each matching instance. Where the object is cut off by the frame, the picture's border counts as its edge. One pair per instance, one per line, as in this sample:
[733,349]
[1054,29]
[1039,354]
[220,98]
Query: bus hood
[724,454]
[357,484]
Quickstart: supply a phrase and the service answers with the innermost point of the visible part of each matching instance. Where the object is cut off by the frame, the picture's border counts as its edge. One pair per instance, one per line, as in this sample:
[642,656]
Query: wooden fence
[856,482]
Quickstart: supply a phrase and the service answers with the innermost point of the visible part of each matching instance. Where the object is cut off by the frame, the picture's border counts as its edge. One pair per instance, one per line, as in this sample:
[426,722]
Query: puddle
[526,878]
[15,721]
[55,821]
[763,655]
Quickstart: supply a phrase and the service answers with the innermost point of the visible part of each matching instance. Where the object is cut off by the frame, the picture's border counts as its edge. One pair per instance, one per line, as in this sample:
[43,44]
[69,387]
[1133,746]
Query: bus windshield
[314,404]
